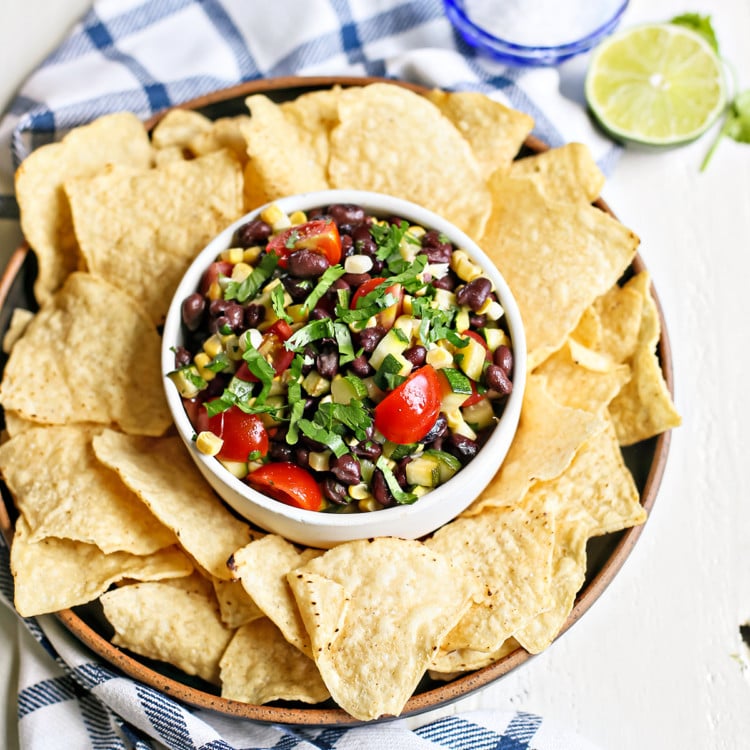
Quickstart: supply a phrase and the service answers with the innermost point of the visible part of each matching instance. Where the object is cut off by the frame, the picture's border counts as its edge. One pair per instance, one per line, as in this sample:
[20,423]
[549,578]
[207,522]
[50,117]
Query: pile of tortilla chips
[109,503]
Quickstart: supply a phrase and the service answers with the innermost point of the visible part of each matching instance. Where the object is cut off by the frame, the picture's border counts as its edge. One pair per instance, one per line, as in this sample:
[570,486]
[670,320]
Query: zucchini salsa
[342,362]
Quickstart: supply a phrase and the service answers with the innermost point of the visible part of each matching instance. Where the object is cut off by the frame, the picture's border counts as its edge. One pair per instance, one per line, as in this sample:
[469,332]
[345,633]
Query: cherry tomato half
[409,411]
[320,236]
[288,483]
[242,433]
[387,316]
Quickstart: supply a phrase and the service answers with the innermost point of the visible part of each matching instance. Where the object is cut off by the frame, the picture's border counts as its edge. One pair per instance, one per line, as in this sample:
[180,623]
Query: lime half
[659,84]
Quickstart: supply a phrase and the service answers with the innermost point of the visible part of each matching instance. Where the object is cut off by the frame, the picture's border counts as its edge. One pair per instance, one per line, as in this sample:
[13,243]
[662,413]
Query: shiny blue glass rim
[523,54]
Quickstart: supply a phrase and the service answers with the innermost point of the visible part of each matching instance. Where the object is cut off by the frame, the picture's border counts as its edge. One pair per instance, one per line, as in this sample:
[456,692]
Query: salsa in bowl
[344,365]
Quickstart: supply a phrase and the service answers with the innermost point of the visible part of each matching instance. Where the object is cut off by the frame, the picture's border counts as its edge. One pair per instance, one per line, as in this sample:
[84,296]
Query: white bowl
[327,529]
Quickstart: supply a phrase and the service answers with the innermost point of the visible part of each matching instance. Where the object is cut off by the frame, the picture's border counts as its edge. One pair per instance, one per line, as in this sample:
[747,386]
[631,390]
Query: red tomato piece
[320,236]
[242,433]
[272,346]
[212,273]
[410,410]
[387,316]
[475,397]
[287,483]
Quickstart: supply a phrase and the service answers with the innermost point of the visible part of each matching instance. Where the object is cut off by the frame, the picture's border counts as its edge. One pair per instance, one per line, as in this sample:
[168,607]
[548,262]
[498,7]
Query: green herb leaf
[736,124]
[400,496]
[294,396]
[320,434]
[344,341]
[312,331]
[327,278]
[245,290]
[277,302]
[260,367]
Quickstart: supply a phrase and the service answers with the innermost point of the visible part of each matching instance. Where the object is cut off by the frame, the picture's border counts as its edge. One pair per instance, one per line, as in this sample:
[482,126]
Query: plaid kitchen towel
[68,699]
[144,57]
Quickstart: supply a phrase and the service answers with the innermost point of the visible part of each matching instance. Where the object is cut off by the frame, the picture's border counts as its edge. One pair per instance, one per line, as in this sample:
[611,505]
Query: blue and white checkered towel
[143,56]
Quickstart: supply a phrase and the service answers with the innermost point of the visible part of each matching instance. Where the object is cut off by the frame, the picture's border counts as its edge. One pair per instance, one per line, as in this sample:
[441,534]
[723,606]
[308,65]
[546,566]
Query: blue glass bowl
[589,32]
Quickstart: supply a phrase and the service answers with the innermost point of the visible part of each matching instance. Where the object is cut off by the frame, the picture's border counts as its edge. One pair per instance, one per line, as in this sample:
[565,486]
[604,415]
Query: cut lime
[660,85]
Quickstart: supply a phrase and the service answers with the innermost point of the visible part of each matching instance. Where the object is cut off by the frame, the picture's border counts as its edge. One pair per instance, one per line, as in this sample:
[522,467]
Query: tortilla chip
[556,257]
[262,567]
[568,575]
[494,132]
[587,381]
[178,127]
[644,407]
[19,322]
[447,665]
[56,574]
[260,666]
[548,436]
[44,210]
[236,606]
[140,231]
[510,551]
[161,472]
[384,605]
[169,623]
[281,158]
[63,491]
[225,133]
[394,141]
[568,173]
[89,355]
[620,311]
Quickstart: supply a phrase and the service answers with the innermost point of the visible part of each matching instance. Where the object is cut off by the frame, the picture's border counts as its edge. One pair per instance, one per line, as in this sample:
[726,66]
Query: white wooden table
[658,662]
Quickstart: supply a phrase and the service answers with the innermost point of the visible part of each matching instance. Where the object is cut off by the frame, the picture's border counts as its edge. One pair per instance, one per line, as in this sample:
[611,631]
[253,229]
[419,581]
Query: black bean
[400,471]
[447,282]
[319,312]
[327,363]
[346,468]
[309,359]
[496,379]
[193,308]
[463,448]
[361,233]
[475,293]
[182,357]
[379,488]
[503,358]
[254,315]
[216,386]
[312,445]
[297,288]
[437,430]
[228,314]
[335,491]
[356,279]
[435,248]
[370,337]
[254,232]
[477,321]
[280,452]
[360,366]
[367,449]
[346,213]
[417,355]
[302,457]
[347,245]
[307,264]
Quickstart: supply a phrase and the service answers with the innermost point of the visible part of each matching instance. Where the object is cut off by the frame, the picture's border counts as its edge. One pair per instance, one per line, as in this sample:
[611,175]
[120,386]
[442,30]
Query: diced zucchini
[408,325]
[424,471]
[237,468]
[455,389]
[495,337]
[188,381]
[315,384]
[472,359]
[345,388]
[391,343]
[480,414]
[320,460]
[447,463]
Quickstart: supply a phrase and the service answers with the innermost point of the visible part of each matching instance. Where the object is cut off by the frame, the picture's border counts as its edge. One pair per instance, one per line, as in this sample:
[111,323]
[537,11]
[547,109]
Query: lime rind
[656,85]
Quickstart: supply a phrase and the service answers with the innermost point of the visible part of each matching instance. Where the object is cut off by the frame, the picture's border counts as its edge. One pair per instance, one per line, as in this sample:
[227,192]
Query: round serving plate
[606,554]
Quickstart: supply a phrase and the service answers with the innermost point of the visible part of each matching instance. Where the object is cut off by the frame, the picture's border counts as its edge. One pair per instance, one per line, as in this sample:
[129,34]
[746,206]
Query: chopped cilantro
[245,290]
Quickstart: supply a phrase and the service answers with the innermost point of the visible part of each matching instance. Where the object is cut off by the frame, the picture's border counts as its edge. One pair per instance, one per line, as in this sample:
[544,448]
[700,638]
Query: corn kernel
[298,217]
[201,360]
[251,254]
[494,310]
[213,345]
[359,491]
[232,347]
[241,271]
[369,504]
[416,231]
[271,214]
[464,266]
[208,444]
[214,291]
[232,254]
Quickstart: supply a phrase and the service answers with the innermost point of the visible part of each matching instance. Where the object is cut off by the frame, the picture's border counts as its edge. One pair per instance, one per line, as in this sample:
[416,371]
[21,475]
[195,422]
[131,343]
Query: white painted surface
[657,662]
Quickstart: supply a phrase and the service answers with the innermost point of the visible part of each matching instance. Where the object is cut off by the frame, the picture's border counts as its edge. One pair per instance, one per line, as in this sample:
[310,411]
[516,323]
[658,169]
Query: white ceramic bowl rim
[376,203]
